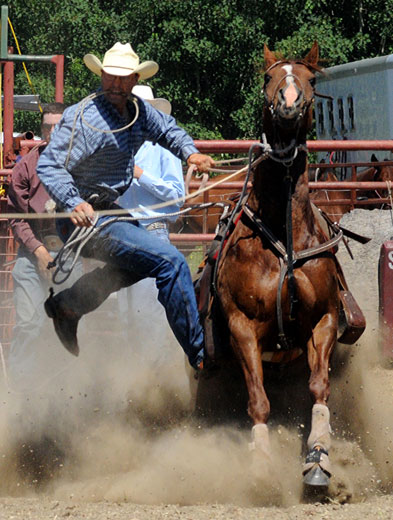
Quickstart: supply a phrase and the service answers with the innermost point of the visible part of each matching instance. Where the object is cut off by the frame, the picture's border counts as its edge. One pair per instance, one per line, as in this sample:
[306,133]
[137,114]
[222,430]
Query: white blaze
[290,92]
[288,69]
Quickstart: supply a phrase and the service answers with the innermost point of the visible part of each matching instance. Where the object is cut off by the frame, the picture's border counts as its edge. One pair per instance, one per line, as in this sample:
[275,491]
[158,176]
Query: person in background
[38,243]
[158,177]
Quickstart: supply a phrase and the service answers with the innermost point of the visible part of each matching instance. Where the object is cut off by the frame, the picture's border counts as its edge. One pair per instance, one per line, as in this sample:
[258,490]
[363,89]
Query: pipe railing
[242,146]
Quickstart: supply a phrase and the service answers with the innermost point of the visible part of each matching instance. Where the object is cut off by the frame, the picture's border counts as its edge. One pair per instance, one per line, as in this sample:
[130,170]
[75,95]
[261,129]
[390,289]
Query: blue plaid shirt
[103,163]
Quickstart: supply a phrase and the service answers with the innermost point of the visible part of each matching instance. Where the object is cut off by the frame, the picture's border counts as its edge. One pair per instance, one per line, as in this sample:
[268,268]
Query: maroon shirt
[26,194]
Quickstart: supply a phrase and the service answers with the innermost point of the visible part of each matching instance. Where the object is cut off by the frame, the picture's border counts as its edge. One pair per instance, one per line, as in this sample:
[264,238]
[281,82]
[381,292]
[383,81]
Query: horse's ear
[269,56]
[374,158]
[313,56]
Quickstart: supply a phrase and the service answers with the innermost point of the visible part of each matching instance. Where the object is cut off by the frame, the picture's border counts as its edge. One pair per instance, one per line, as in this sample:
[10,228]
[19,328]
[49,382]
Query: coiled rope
[80,236]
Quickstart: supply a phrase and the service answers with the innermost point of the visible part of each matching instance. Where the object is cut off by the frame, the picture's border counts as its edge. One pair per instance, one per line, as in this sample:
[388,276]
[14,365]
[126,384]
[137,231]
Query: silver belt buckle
[156,225]
[52,243]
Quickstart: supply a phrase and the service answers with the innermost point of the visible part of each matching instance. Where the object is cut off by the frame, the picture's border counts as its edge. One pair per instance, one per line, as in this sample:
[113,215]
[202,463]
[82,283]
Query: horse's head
[289,91]
[383,172]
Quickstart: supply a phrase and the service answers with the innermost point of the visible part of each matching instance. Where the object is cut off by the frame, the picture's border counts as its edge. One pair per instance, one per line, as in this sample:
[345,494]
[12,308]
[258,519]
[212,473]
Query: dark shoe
[65,321]
[206,368]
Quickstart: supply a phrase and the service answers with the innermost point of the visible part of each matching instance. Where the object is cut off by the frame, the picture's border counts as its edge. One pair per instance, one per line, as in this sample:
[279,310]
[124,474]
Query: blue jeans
[152,340]
[132,254]
[32,327]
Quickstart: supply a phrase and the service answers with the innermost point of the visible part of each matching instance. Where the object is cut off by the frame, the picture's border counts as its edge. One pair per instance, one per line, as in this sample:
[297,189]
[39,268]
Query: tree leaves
[210,52]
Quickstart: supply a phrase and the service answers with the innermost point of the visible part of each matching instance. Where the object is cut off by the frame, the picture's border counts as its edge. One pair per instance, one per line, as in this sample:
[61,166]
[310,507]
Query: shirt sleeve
[163,129]
[67,148]
[18,202]
[170,184]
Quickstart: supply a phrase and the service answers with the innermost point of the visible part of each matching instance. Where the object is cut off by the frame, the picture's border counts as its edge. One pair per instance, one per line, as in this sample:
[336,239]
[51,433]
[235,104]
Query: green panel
[4,32]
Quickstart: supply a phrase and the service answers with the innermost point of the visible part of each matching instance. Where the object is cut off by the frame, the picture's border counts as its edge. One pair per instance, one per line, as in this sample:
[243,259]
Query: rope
[80,236]
[24,66]
[389,188]
[81,109]
[266,151]
[127,211]
[203,176]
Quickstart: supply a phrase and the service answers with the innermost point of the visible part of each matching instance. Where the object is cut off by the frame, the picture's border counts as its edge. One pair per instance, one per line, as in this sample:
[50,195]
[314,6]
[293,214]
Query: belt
[156,225]
[52,243]
[103,205]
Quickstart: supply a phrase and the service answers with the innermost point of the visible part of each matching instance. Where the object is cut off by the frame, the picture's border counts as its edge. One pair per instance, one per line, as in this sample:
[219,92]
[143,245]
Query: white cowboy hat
[121,60]
[145,92]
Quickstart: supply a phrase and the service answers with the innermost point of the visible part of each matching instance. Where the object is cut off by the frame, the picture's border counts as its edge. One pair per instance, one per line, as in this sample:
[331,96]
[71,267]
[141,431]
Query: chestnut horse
[333,211]
[377,173]
[277,278]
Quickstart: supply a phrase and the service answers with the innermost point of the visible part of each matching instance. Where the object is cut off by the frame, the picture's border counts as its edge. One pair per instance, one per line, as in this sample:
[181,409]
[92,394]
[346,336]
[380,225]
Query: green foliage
[210,52]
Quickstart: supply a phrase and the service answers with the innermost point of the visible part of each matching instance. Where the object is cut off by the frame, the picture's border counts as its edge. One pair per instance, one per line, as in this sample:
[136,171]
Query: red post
[59,85]
[385,281]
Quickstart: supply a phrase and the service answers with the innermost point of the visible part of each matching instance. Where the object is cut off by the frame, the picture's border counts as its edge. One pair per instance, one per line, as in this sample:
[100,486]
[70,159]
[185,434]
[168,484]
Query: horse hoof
[316,477]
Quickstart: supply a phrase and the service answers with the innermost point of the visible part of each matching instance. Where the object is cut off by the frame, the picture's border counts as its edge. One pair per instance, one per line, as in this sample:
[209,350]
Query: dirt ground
[117,439]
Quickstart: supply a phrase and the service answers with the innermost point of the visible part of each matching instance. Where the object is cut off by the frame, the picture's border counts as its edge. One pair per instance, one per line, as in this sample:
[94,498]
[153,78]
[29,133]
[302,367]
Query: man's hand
[202,162]
[43,258]
[83,215]
[137,172]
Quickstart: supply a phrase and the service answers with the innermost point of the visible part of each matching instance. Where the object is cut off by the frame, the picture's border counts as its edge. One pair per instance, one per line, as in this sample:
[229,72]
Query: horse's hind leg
[317,469]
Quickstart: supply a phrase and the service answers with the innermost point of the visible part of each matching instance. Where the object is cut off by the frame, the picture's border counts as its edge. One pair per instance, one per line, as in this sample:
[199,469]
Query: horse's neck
[279,139]
[268,197]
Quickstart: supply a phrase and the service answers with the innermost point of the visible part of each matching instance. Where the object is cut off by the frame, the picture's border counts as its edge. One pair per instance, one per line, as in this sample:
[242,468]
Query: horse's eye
[312,82]
[267,79]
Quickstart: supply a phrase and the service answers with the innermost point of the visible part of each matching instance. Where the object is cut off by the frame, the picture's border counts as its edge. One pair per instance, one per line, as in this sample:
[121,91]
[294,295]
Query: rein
[291,277]
[266,151]
[288,259]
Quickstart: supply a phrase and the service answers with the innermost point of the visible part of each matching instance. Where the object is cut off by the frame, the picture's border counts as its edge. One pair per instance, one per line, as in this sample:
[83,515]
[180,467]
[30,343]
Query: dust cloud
[118,425]
[111,426]
[126,432]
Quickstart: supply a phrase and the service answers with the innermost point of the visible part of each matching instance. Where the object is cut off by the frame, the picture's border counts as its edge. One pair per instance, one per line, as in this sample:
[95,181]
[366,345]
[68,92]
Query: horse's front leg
[317,469]
[245,346]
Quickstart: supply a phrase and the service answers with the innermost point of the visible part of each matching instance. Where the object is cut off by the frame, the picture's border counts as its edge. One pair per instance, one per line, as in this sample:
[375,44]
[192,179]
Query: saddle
[352,322]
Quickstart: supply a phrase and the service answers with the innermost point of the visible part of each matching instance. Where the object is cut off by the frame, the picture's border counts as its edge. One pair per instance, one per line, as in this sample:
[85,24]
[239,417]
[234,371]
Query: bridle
[286,157]
[269,103]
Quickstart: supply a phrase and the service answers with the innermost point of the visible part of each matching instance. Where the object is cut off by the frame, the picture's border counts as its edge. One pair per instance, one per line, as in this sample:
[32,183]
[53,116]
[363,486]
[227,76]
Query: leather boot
[65,321]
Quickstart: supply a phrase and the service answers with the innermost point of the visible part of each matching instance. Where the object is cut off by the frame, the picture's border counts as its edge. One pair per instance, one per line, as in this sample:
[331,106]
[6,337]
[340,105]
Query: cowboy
[86,167]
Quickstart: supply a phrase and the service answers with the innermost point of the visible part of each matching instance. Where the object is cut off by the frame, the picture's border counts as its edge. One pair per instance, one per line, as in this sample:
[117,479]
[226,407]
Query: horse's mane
[293,60]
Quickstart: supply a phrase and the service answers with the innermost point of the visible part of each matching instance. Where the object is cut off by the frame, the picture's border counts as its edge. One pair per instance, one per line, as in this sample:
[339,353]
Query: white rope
[389,188]
[81,109]
[127,211]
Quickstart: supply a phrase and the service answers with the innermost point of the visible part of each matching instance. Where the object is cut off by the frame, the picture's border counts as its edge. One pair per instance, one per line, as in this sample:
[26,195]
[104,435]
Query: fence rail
[8,249]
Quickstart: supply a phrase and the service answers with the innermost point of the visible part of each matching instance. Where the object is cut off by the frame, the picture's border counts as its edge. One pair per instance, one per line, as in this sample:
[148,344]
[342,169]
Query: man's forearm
[24,235]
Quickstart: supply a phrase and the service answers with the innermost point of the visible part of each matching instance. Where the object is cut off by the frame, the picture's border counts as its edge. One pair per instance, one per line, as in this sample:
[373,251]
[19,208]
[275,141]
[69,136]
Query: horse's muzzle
[288,116]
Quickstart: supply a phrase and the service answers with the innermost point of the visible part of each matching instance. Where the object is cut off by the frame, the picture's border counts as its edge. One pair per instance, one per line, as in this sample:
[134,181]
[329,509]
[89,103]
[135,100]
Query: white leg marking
[260,439]
[320,428]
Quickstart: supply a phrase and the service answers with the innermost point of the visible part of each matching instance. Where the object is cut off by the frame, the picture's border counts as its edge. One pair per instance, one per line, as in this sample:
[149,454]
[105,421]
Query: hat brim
[161,104]
[145,70]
